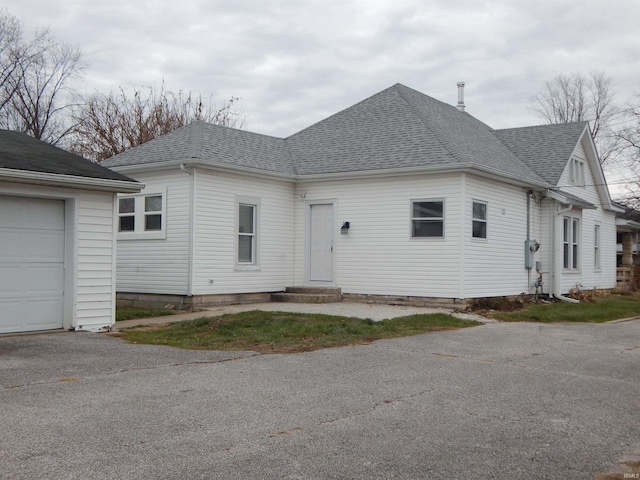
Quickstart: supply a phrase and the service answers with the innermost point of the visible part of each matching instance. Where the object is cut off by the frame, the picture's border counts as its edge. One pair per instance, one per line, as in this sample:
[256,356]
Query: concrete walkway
[345,309]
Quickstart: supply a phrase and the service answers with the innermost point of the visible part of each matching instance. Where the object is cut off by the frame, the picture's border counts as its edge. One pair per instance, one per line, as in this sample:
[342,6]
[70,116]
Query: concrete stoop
[308,295]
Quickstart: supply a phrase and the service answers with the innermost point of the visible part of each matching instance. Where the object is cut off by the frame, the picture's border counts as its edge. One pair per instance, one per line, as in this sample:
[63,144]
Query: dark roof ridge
[335,114]
[544,125]
[236,129]
[443,141]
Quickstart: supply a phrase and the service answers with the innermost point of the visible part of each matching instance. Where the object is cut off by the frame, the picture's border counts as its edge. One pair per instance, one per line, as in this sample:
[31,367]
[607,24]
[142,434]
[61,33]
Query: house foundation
[201,302]
[188,303]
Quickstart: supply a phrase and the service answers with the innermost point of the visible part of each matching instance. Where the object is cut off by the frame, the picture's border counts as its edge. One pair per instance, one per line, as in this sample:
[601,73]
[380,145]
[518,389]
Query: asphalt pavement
[497,401]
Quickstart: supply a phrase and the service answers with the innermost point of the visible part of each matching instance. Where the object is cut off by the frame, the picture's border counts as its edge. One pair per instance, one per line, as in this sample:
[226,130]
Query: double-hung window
[570,242]
[427,218]
[479,220]
[247,231]
[141,216]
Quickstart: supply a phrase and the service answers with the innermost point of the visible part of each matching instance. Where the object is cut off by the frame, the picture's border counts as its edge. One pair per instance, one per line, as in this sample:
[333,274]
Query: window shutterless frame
[142,216]
[571,243]
[427,218]
[479,219]
[247,232]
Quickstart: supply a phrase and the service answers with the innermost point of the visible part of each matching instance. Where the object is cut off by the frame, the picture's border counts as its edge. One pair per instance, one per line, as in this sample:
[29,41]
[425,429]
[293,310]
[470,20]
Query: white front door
[321,237]
[32,237]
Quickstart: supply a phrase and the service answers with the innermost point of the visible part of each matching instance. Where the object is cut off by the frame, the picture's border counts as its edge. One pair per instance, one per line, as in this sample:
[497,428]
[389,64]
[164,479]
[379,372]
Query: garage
[32,243]
[57,238]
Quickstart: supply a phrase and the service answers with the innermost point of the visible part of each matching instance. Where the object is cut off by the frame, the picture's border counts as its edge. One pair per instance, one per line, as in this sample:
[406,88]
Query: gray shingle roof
[545,148]
[393,129]
[19,151]
[211,143]
[398,128]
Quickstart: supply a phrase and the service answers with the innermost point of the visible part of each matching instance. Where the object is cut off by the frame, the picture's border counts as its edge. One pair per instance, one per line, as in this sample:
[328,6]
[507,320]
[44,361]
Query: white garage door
[31,264]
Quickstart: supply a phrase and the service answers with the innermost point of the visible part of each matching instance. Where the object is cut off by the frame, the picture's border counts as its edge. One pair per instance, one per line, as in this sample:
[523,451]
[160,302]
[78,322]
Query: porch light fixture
[344,229]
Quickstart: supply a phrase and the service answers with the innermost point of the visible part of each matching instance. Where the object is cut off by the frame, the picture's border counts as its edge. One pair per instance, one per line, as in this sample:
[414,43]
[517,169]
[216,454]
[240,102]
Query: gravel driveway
[497,401]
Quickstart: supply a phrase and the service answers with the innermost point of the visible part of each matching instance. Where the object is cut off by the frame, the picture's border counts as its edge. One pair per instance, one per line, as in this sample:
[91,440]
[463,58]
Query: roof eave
[201,163]
[439,169]
[69,181]
[626,225]
[566,200]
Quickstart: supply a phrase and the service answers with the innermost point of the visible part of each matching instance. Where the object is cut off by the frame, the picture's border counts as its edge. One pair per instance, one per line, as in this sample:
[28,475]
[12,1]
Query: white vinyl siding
[96,248]
[588,278]
[216,267]
[495,265]
[159,263]
[379,256]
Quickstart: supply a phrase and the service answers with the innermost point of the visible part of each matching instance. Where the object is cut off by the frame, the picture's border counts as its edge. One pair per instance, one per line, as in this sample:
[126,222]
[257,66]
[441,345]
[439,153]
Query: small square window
[427,219]
[127,224]
[153,222]
[153,204]
[126,205]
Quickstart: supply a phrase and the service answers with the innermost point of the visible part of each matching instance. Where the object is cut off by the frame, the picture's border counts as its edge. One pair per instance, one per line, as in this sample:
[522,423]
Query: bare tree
[576,98]
[629,141]
[42,89]
[106,125]
[11,55]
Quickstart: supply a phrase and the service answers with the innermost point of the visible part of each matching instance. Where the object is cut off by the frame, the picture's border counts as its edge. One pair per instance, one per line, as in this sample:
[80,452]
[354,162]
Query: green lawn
[277,332]
[608,308]
[129,313]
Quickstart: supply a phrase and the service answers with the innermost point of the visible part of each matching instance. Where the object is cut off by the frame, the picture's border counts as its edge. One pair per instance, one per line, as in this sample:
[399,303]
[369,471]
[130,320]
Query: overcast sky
[294,62]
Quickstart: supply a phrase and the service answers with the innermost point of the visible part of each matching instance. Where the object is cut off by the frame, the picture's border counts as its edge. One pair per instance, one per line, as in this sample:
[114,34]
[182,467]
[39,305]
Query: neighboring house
[628,238]
[399,196]
[57,237]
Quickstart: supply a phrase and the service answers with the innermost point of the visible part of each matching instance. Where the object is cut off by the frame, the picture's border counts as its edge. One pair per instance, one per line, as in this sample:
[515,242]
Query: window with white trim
[479,220]
[577,172]
[427,218]
[247,231]
[570,242]
[141,216]
[596,246]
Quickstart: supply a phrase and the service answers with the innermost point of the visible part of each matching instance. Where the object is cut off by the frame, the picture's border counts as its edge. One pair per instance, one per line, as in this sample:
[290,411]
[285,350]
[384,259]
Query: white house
[57,237]
[400,197]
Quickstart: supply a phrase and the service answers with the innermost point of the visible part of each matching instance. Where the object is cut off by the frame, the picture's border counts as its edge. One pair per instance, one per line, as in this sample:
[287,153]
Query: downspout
[529,193]
[192,207]
[558,295]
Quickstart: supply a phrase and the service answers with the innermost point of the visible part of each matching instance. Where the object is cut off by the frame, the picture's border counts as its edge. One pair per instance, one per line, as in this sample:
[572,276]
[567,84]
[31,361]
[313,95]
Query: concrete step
[308,295]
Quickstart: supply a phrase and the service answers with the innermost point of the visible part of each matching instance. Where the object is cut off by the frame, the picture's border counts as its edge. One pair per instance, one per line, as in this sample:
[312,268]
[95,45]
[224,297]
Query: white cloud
[295,62]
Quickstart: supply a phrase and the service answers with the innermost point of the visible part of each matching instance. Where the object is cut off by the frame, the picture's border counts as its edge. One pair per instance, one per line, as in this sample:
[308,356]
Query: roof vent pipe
[460,96]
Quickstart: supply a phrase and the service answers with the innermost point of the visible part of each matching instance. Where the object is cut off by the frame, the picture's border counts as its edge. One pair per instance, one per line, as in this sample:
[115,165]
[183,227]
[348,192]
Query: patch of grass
[603,310]
[129,313]
[284,332]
